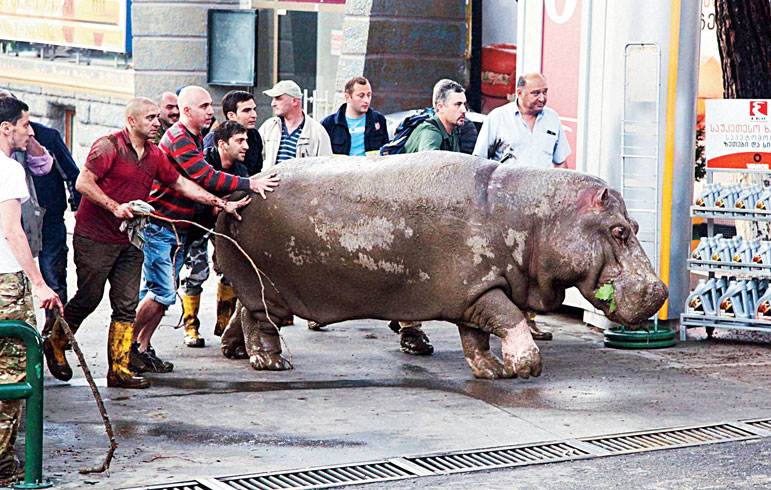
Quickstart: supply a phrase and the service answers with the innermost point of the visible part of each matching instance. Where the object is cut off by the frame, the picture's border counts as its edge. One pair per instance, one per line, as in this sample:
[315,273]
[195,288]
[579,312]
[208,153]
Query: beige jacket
[314,140]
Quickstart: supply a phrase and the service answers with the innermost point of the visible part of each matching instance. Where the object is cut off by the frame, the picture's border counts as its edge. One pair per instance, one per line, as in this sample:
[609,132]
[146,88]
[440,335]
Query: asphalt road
[354,397]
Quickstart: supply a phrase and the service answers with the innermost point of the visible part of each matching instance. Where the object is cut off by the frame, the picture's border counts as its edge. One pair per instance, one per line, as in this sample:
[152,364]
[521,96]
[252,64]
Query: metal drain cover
[481,459]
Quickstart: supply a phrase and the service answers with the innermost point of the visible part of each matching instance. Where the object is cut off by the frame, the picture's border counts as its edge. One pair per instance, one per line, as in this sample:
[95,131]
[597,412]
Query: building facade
[77,77]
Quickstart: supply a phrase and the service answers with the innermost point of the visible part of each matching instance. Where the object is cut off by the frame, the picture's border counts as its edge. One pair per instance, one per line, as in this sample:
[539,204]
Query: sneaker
[137,362]
[158,364]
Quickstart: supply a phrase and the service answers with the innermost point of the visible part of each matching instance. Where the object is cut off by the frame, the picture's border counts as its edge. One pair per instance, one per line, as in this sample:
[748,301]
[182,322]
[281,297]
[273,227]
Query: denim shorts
[160,246]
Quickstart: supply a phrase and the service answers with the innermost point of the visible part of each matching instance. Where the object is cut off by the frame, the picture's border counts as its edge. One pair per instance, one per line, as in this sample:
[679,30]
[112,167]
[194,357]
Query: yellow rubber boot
[118,351]
[53,348]
[190,305]
[226,305]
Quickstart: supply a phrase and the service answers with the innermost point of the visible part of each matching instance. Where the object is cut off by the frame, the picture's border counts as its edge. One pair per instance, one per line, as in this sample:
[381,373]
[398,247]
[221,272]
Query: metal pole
[32,390]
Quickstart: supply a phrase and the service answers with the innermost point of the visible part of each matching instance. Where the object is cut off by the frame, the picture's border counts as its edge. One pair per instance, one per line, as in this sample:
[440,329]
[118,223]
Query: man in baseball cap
[290,133]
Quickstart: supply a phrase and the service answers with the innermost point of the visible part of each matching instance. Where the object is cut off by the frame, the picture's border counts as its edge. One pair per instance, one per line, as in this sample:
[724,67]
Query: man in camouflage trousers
[228,154]
[20,277]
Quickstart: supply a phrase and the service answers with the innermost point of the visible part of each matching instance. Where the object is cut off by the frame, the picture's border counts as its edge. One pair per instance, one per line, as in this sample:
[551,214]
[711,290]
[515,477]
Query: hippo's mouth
[630,311]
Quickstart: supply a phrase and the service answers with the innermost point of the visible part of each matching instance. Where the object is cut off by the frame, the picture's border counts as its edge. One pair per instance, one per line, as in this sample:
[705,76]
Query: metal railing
[31,389]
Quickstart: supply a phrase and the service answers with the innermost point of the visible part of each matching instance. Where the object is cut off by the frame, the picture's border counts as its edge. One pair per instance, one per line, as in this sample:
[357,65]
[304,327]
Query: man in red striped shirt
[183,144]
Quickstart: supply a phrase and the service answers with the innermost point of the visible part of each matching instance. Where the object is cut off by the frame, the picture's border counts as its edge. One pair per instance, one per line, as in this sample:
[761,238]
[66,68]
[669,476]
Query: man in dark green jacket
[441,131]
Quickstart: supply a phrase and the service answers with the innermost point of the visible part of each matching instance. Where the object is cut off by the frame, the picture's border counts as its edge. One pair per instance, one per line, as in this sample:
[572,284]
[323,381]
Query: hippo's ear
[601,198]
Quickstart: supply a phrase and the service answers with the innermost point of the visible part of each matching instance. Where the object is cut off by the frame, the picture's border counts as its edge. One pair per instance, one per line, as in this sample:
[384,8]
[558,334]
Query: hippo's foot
[486,365]
[413,340]
[264,361]
[234,351]
[520,354]
[233,346]
[476,347]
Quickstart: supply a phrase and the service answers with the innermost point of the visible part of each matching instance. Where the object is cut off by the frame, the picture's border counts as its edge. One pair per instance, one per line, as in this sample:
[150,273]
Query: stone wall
[170,45]
[404,47]
[97,94]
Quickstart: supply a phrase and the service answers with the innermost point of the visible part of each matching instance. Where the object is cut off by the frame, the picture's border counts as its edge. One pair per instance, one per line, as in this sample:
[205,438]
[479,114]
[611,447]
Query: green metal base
[43,484]
[620,338]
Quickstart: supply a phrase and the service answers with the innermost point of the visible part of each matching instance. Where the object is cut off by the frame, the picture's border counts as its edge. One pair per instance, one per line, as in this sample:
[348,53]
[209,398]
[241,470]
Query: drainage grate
[764,424]
[499,458]
[481,459]
[327,477]
[668,439]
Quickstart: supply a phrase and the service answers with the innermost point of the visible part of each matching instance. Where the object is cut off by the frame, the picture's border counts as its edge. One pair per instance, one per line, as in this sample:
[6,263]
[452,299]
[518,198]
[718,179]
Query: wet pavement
[354,397]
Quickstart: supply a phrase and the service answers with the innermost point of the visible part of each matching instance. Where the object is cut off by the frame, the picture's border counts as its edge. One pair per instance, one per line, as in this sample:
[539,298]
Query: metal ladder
[640,182]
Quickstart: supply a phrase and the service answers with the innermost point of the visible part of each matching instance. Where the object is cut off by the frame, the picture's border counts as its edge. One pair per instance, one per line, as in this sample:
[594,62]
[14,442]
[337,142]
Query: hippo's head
[605,251]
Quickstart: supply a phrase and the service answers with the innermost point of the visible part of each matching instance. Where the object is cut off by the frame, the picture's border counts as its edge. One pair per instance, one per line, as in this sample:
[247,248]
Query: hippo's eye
[619,233]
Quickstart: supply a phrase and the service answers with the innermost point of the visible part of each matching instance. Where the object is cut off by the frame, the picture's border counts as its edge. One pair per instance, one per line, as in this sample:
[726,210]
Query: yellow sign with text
[90,24]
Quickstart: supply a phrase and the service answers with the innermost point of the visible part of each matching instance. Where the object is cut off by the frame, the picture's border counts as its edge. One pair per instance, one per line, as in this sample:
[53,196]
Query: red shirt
[123,178]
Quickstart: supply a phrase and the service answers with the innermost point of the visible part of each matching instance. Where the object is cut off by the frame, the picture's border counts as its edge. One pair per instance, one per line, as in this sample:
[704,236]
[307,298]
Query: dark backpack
[404,130]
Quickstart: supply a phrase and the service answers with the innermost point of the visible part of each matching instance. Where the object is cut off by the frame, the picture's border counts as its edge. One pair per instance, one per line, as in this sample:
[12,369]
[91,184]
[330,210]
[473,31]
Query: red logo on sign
[758,108]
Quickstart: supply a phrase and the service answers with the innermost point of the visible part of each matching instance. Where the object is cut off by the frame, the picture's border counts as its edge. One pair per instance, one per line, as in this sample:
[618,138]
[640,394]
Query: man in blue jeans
[183,146]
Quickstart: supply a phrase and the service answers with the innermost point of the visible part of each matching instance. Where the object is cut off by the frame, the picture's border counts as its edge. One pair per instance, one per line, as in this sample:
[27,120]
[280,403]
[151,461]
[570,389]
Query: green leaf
[606,292]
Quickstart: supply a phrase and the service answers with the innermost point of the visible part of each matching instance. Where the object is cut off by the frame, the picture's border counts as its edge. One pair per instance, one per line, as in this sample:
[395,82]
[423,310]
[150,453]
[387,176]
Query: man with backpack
[356,129]
[441,131]
[437,132]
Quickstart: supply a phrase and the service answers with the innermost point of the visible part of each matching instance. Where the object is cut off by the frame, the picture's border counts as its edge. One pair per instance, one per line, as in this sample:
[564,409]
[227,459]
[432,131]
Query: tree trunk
[744,39]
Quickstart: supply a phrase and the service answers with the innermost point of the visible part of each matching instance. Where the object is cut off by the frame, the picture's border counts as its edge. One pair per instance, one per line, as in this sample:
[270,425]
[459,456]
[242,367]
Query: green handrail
[32,390]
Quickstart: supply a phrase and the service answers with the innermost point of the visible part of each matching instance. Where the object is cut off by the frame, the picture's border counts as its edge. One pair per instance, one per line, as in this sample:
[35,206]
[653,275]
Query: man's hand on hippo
[232,207]
[265,184]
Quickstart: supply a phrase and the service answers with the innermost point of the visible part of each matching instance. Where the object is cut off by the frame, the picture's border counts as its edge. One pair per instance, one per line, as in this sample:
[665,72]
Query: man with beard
[228,155]
[442,130]
[167,103]
[439,132]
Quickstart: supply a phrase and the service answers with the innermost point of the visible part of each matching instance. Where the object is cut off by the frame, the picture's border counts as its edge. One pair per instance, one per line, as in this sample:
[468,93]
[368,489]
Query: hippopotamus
[433,236]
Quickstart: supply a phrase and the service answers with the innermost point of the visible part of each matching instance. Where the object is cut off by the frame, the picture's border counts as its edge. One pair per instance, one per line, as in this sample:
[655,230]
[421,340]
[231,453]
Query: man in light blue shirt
[356,127]
[526,130]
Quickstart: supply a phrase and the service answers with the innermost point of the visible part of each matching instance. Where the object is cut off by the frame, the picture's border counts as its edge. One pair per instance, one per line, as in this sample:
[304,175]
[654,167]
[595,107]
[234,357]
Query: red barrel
[499,66]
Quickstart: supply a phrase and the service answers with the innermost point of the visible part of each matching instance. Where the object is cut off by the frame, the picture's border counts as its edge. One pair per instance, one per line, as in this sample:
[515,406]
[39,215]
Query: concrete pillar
[404,47]
[170,45]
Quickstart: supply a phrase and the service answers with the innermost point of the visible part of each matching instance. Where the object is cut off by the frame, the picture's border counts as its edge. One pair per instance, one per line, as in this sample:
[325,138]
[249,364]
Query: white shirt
[13,185]
[544,145]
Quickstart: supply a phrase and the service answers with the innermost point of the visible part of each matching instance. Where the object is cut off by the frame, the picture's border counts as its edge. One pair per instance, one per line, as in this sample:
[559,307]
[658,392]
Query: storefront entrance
[299,41]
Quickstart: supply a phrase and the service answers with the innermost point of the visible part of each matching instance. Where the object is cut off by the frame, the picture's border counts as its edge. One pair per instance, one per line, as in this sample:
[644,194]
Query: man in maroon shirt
[183,143]
[120,168]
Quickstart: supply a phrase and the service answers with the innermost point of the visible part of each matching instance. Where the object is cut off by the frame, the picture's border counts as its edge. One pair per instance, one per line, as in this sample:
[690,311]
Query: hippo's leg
[233,345]
[494,313]
[263,343]
[476,347]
